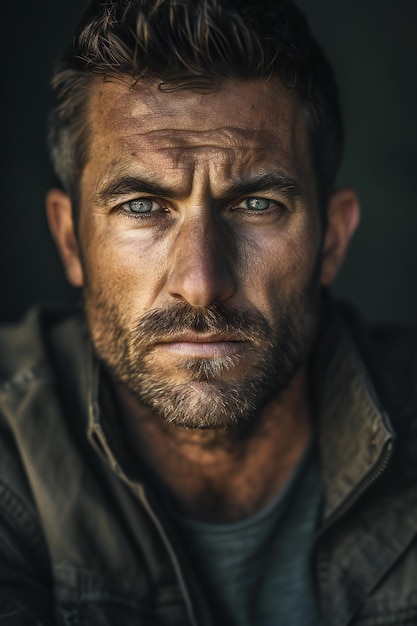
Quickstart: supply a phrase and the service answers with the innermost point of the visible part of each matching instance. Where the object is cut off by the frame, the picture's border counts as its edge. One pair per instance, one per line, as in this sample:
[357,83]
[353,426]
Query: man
[211,441]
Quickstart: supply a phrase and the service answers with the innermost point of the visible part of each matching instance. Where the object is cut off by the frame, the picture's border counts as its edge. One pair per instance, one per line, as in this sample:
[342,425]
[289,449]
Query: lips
[201,346]
[201,338]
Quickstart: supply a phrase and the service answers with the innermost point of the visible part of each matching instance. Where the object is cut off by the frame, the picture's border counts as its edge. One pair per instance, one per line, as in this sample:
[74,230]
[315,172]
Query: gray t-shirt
[257,572]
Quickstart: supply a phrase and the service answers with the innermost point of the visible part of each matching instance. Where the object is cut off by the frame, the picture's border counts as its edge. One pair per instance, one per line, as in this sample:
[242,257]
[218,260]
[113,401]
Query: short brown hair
[193,44]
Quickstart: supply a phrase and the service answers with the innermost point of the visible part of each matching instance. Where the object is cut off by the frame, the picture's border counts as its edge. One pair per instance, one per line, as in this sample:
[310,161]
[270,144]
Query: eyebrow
[127,185]
[286,185]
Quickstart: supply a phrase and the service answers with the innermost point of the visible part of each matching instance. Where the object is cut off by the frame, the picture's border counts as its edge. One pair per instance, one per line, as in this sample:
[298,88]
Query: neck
[223,475]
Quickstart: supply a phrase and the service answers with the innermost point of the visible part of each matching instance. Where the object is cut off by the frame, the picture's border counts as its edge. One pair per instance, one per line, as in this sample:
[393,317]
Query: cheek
[126,268]
[280,267]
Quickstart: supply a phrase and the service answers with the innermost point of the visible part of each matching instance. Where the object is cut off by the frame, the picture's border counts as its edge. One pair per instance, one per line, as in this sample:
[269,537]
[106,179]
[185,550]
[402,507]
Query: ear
[342,219]
[60,218]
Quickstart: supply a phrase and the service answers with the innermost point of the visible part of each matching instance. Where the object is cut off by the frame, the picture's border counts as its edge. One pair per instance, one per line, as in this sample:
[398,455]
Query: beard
[205,393]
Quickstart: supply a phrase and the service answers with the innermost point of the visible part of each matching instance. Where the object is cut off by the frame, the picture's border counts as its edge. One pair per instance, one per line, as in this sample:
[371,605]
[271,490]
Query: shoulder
[27,347]
[41,362]
[31,353]
[389,353]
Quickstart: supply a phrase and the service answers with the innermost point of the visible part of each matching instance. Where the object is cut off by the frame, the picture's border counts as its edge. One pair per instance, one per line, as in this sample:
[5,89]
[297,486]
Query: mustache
[162,324]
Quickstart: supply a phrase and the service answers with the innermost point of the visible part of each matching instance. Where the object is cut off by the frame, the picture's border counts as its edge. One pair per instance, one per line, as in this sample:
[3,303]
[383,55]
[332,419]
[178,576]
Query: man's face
[200,243]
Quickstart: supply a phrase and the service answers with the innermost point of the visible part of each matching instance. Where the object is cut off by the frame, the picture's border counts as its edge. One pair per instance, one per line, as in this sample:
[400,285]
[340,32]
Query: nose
[201,270]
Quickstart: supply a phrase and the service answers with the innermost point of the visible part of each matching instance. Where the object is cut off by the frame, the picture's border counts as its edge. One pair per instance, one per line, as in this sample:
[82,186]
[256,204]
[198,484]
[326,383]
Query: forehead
[239,129]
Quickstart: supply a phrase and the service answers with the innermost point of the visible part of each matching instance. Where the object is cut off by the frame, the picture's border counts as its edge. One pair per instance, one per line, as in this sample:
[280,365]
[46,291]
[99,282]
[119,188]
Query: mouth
[202,346]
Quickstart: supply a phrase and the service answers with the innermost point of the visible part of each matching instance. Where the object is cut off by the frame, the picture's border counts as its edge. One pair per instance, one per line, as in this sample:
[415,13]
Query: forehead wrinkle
[222,137]
[239,151]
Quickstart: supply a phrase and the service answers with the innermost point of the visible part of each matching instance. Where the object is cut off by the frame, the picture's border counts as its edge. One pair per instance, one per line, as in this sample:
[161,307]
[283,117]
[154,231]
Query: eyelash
[275,208]
[141,216]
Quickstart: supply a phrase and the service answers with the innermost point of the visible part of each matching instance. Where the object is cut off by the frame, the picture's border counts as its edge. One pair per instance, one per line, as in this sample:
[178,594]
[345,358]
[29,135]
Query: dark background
[373,47]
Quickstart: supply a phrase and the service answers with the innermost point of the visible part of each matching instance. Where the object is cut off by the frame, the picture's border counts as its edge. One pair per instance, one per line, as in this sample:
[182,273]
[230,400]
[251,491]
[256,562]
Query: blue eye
[141,205]
[257,204]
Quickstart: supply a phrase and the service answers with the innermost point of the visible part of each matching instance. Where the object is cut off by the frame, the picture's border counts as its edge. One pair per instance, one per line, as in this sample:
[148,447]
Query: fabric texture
[84,540]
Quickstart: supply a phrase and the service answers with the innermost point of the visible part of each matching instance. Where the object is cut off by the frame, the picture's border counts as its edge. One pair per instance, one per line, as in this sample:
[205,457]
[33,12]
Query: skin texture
[204,306]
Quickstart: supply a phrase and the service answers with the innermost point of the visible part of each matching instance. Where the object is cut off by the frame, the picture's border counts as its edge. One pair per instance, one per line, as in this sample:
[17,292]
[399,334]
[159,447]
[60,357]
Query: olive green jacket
[83,541]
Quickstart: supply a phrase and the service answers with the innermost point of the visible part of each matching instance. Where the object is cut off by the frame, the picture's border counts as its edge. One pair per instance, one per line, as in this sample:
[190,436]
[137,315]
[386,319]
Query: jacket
[84,542]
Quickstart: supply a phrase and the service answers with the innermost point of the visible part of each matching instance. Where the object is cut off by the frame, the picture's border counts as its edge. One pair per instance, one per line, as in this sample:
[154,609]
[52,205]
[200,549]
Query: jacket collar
[355,432]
